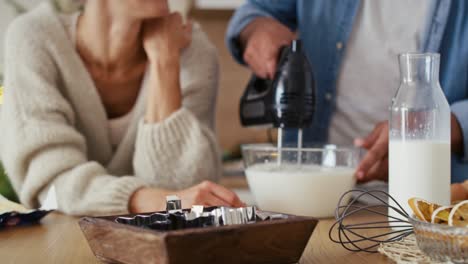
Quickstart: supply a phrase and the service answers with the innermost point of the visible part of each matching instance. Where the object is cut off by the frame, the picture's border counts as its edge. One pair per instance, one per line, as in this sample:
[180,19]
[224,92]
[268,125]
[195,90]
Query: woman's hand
[209,194]
[374,165]
[165,37]
[205,193]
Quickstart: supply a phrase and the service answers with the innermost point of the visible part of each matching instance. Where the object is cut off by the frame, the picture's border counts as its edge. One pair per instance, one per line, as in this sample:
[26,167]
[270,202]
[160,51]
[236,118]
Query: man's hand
[262,40]
[374,165]
[456,136]
[459,192]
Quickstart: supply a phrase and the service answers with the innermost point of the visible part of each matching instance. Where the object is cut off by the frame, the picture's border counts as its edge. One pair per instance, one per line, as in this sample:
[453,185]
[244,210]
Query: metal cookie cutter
[175,218]
[173,204]
[234,216]
[142,220]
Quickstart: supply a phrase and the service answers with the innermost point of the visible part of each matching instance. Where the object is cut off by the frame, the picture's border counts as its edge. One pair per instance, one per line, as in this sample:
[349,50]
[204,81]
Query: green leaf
[5,186]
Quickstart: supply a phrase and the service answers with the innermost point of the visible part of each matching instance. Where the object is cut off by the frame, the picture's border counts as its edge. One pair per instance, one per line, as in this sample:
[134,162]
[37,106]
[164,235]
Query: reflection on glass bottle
[419,149]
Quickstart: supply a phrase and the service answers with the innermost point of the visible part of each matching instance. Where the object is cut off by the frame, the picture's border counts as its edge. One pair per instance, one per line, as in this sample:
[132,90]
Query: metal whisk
[355,236]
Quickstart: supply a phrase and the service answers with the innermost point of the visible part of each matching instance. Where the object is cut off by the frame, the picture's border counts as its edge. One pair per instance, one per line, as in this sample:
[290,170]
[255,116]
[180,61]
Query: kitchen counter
[58,239]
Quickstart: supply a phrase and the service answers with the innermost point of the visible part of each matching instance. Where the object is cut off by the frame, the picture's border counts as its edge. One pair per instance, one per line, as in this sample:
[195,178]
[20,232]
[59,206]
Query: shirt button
[339,45]
[328,96]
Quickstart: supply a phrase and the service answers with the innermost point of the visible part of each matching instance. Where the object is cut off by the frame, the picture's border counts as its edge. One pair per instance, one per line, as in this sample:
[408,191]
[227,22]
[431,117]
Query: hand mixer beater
[287,101]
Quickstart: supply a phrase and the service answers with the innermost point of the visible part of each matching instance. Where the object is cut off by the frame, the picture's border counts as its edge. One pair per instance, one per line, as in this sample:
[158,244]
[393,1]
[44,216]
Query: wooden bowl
[276,241]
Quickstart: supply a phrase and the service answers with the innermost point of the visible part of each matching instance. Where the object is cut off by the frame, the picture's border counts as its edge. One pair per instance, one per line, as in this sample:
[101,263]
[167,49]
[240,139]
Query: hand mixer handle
[254,109]
[255,106]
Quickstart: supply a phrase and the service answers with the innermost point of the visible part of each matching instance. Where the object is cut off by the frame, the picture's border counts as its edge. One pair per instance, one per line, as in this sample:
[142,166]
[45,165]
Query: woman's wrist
[147,199]
[164,57]
[165,93]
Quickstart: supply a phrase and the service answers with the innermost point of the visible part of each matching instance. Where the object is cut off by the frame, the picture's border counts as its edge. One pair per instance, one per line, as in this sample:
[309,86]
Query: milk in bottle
[419,127]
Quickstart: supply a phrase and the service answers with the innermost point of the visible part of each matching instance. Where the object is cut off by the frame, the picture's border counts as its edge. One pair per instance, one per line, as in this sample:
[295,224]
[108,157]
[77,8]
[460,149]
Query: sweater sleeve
[40,145]
[182,150]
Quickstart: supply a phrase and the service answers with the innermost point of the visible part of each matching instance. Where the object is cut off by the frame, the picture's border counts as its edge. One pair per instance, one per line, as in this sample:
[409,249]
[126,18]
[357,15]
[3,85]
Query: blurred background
[213,15]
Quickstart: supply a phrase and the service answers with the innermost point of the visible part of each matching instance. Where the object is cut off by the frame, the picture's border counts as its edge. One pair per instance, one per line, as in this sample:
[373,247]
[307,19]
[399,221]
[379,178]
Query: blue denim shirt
[324,27]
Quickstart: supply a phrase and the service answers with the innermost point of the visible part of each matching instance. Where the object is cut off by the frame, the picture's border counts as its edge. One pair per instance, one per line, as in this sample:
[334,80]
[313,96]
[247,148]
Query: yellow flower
[1,95]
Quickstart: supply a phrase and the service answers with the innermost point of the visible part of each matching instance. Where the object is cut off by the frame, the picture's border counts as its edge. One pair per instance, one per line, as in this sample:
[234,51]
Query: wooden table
[58,239]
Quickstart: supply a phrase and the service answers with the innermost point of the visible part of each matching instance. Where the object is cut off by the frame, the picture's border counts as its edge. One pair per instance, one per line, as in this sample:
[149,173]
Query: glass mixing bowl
[308,182]
[441,242]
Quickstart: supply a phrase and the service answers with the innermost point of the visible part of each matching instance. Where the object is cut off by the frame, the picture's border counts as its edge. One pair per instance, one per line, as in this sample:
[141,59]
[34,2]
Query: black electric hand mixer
[287,101]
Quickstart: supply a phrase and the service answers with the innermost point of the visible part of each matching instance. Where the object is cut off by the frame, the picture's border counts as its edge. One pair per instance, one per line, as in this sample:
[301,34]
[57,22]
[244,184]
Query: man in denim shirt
[353,47]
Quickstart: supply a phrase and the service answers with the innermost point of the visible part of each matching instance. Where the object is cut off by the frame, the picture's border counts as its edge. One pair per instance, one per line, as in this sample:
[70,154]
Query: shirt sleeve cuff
[243,16]
[460,110]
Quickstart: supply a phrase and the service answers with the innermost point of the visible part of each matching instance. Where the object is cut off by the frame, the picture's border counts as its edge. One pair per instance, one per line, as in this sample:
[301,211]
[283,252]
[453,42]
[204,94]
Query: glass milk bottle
[419,127]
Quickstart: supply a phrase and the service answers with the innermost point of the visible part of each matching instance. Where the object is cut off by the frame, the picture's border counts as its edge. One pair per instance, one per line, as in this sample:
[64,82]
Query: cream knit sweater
[54,126]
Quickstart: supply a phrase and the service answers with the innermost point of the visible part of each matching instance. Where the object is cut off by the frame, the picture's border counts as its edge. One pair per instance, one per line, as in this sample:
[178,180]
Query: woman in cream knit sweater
[113,106]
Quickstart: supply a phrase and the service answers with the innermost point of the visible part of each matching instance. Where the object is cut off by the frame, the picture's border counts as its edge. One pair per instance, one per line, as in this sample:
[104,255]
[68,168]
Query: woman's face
[141,9]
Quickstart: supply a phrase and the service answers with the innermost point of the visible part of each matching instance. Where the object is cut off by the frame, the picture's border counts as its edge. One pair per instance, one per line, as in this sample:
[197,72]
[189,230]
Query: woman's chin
[149,11]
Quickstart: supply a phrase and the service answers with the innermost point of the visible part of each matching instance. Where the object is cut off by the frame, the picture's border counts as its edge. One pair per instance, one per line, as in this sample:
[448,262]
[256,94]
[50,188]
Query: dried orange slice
[441,215]
[459,215]
[422,208]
